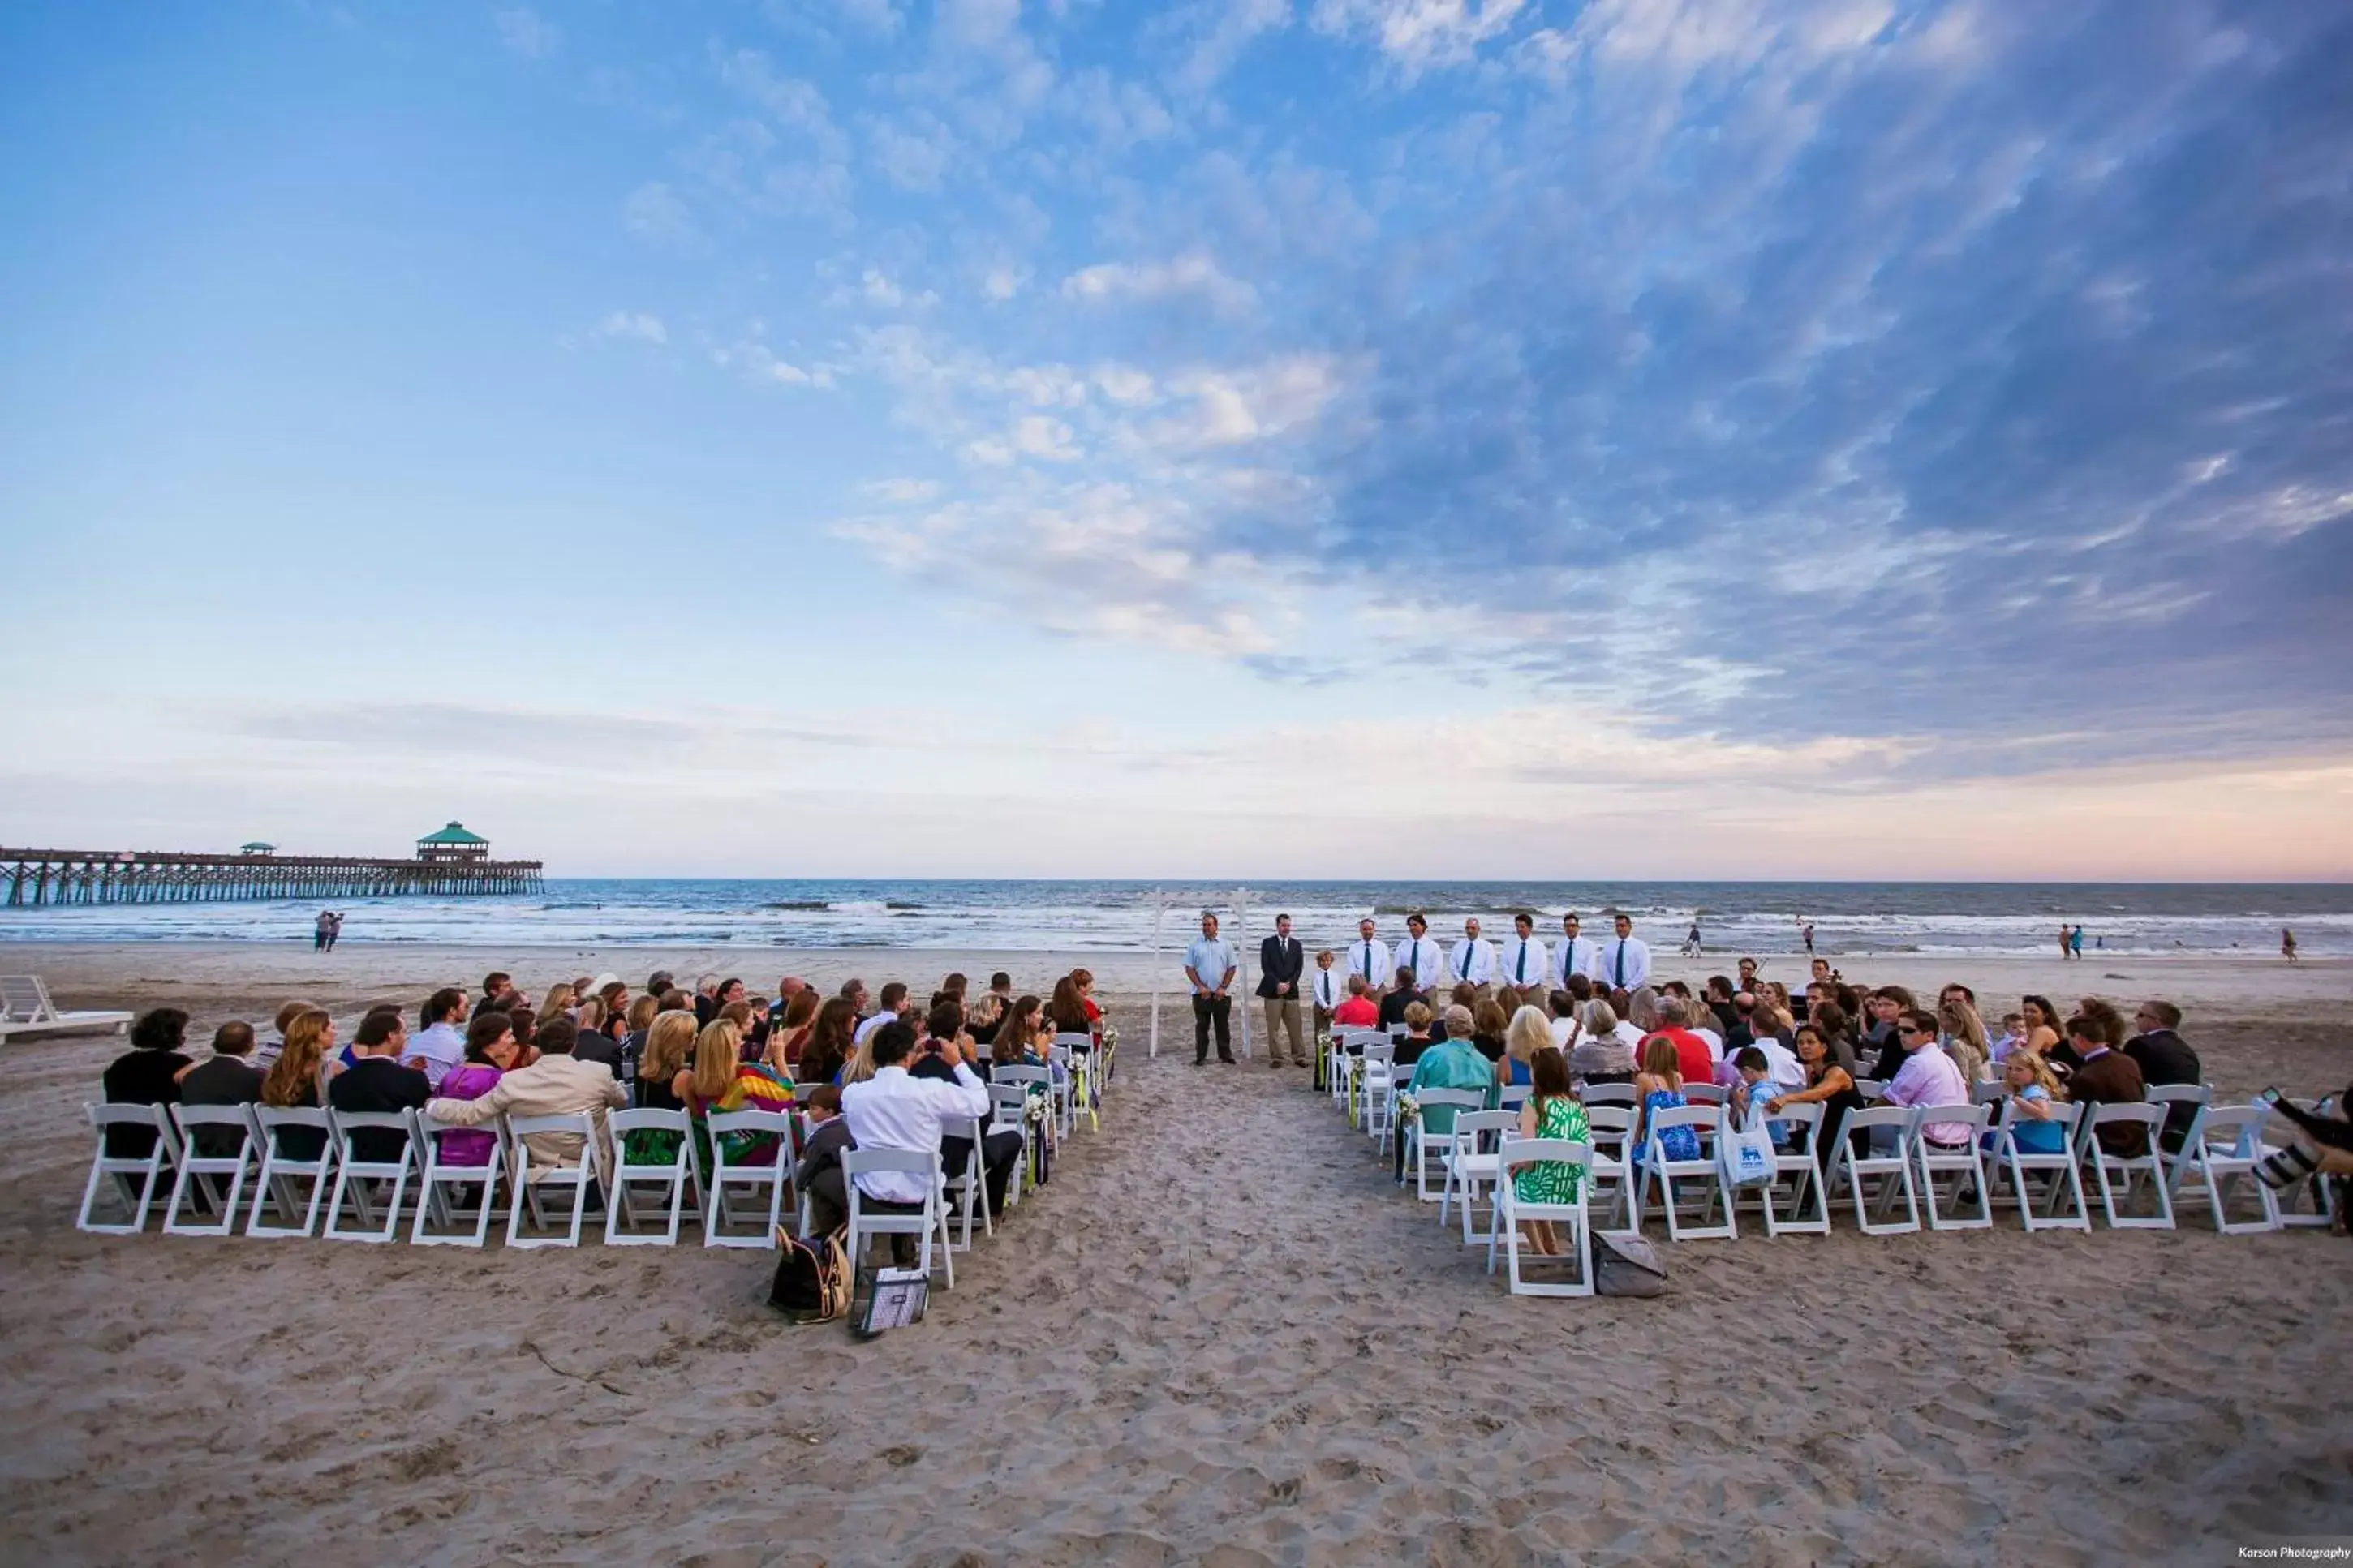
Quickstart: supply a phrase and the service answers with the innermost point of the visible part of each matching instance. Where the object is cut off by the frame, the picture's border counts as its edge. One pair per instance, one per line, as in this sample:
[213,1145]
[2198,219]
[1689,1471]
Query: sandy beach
[1219,1335]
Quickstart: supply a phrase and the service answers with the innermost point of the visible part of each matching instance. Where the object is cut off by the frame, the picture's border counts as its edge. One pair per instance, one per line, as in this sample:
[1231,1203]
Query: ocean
[1965,918]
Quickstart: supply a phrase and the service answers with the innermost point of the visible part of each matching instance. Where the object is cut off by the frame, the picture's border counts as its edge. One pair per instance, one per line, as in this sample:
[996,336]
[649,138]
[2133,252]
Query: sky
[1256,438]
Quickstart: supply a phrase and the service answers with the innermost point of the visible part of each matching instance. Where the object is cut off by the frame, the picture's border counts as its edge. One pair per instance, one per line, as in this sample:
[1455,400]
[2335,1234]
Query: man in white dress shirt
[1472,960]
[1423,956]
[1368,956]
[1521,964]
[895,1109]
[1575,954]
[1626,962]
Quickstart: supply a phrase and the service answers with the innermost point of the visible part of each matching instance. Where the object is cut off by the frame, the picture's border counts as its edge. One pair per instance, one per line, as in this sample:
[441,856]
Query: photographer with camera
[2324,1153]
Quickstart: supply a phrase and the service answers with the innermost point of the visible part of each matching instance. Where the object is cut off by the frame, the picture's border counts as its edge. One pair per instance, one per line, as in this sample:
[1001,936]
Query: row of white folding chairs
[349,1187]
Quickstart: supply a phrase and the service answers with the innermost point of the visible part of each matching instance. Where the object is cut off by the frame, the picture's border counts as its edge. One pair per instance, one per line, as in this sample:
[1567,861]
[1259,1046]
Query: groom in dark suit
[1281,962]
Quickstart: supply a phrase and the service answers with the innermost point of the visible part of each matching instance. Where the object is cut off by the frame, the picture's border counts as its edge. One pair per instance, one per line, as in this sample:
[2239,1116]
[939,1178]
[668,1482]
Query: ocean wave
[817,906]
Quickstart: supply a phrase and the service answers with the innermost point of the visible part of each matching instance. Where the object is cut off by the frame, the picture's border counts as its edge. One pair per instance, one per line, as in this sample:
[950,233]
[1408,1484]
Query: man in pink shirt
[1928,1077]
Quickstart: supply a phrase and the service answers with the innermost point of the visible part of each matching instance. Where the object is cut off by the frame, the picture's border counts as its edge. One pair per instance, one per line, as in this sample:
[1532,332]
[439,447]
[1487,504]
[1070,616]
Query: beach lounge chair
[1510,1211]
[531,1186]
[26,1009]
[775,1178]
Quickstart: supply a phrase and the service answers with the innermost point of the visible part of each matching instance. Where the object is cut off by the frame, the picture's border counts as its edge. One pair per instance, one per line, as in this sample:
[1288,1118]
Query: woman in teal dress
[1550,1111]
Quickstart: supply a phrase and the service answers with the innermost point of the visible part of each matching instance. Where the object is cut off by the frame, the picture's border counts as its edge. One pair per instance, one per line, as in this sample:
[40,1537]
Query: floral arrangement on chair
[1408,1109]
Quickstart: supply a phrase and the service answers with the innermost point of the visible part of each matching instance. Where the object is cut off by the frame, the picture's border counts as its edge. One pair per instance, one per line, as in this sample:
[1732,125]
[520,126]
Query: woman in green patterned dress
[1550,1111]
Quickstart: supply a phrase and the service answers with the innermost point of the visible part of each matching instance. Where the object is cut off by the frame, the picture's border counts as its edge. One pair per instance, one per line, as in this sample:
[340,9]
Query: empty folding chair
[1890,1167]
[1594,1094]
[1610,1187]
[203,1170]
[2062,1180]
[354,1175]
[535,1181]
[1510,1211]
[2123,1177]
[2221,1150]
[967,1189]
[1431,1148]
[774,1178]
[1471,1163]
[1706,1122]
[1376,1073]
[1348,1085]
[676,1176]
[284,1128]
[118,1171]
[1959,1167]
[1797,1173]
[444,1185]
[924,1221]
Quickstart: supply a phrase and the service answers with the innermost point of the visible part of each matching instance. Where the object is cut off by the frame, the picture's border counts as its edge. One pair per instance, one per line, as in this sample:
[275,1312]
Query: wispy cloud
[1194,274]
[638,325]
[527,33]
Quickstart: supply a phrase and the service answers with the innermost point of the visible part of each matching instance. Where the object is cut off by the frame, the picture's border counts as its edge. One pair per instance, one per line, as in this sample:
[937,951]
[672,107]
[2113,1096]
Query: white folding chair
[117,1170]
[202,1169]
[1510,1211]
[1706,1122]
[1010,1108]
[1871,1089]
[1065,1087]
[925,1222]
[1594,1094]
[1854,1171]
[1349,1046]
[281,1171]
[1431,1148]
[1378,1071]
[2197,1096]
[1078,1049]
[1706,1094]
[968,1188]
[1471,1163]
[1610,1171]
[439,1199]
[1511,1096]
[1989,1093]
[2063,1177]
[677,1176]
[529,1184]
[1800,1167]
[2221,1149]
[1961,1169]
[354,1174]
[2134,1172]
[775,1178]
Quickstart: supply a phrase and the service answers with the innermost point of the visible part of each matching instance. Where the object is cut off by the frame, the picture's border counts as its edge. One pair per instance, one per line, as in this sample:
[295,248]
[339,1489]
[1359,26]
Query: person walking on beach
[1209,966]
[1691,941]
[2287,945]
[335,930]
[2075,946]
[326,924]
[1281,962]
[1807,931]
[2063,941]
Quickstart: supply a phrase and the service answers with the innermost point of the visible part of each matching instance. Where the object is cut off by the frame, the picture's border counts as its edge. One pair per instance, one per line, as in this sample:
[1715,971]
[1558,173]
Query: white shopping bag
[1746,1155]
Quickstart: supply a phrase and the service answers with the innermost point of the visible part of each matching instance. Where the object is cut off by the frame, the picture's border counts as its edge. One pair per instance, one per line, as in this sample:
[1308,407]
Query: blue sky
[1266,437]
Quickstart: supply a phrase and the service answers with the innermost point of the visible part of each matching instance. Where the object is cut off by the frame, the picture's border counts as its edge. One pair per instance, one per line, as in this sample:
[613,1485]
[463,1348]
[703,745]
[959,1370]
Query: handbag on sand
[1746,1155]
[813,1280]
[1627,1265]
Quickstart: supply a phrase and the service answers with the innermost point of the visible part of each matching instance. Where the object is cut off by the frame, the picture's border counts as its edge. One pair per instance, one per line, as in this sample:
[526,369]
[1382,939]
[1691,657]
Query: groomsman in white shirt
[1368,955]
[1423,956]
[1626,962]
[1575,954]
[1472,960]
[1521,964]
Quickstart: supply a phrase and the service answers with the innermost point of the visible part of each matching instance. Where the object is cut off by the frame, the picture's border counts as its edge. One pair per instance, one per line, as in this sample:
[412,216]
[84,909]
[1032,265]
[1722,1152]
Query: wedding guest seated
[591,1042]
[818,1174]
[1660,1084]
[292,1081]
[228,1077]
[1525,1035]
[832,1039]
[945,1046]
[1602,1053]
[524,1022]
[147,1074]
[664,1077]
[1693,1060]
[2165,1057]
[1563,1023]
[2034,1091]
[1451,1063]
[1925,1075]
[1753,1085]
[1400,996]
[1416,1021]
[491,1049]
[554,1085]
[1488,1022]
[2114,1029]
[1829,1083]
[895,1110]
[1550,1111]
[265,1053]
[2013,1035]
[1019,1035]
[1358,1011]
[2105,1075]
[723,1081]
[439,1043]
[378,1081]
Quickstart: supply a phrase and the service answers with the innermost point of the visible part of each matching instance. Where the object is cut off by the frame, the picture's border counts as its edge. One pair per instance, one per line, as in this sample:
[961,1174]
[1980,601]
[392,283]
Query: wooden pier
[451,863]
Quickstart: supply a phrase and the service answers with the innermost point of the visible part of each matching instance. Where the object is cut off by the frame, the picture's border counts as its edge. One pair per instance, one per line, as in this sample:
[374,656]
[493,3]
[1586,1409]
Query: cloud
[1194,274]
[655,212]
[1220,32]
[527,33]
[1421,34]
[634,324]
